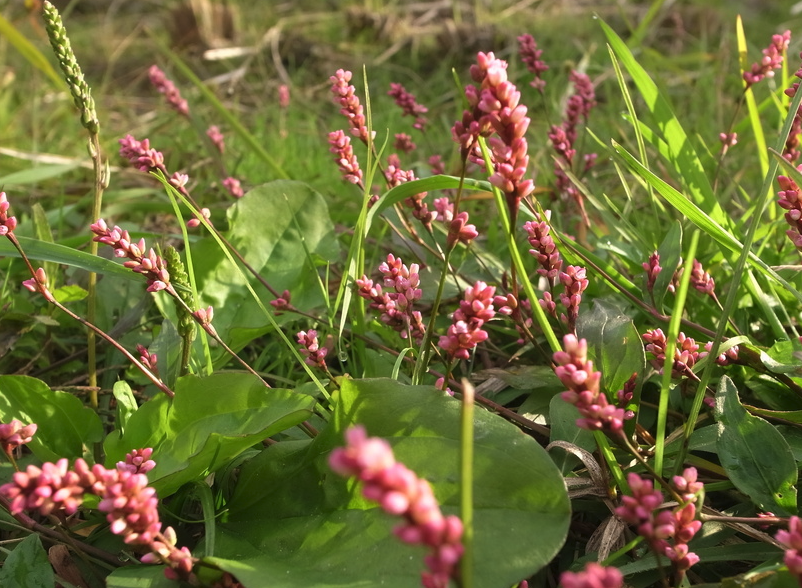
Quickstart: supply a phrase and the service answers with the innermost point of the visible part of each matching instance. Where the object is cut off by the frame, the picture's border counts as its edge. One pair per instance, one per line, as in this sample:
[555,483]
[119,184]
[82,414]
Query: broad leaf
[139,576]
[754,454]
[27,566]
[294,521]
[562,417]
[67,428]
[278,227]
[209,422]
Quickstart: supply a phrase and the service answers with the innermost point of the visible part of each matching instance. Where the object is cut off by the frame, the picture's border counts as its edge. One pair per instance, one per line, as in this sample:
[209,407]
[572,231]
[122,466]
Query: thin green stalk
[466,484]
[668,364]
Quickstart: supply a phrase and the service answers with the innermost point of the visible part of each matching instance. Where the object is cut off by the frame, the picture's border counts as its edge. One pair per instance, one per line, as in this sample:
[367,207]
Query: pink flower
[152,266]
[168,88]
[544,249]
[213,132]
[530,55]
[195,222]
[344,157]
[702,280]
[314,354]
[282,302]
[234,187]
[792,540]
[772,59]
[789,199]
[400,492]
[728,357]
[409,105]
[576,372]
[686,352]
[51,488]
[397,307]
[138,461]
[38,283]
[345,95]
[284,96]
[403,143]
[466,330]
[593,576]
[396,176]
[575,283]
[148,359]
[653,270]
[7,223]
[15,434]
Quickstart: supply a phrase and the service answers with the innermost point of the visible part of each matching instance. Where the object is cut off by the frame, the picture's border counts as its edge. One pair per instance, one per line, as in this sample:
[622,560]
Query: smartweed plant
[482,380]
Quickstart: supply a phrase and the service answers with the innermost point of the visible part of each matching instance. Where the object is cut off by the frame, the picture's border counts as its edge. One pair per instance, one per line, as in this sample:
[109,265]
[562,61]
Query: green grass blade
[29,51]
[751,105]
[682,154]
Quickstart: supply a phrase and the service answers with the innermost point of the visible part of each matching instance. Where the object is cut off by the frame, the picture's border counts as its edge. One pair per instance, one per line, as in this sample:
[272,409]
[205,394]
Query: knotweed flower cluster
[701,280]
[563,138]
[575,371]
[340,146]
[171,93]
[131,506]
[772,59]
[15,434]
[658,526]
[7,223]
[314,354]
[400,492]
[234,187]
[593,576]
[792,541]
[789,199]
[38,283]
[217,138]
[495,108]
[345,95]
[409,105]
[149,264]
[653,270]
[148,359]
[544,249]
[404,143]
[396,307]
[146,159]
[686,353]
[466,331]
[530,55]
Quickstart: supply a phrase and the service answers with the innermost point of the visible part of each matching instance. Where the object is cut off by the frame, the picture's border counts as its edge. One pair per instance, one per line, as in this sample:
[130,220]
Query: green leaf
[275,227]
[54,252]
[614,342]
[37,174]
[139,576]
[126,404]
[67,428]
[754,454]
[27,566]
[562,417]
[208,423]
[783,358]
[294,521]
[682,154]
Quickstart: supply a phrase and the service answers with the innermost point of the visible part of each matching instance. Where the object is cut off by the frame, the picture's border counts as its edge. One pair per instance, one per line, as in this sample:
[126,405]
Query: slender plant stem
[101,180]
[466,484]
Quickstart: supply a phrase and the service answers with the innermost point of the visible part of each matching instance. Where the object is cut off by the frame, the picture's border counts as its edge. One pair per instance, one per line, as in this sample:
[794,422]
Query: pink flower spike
[15,434]
[7,223]
[400,492]
[772,59]
[234,187]
[168,88]
[38,283]
[340,146]
[314,354]
[410,107]
[403,143]
[284,96]
[792,541]
[530,55]
[466,332]
[138,461]
[148,359]
[213,132]
[345,95]
[593,576]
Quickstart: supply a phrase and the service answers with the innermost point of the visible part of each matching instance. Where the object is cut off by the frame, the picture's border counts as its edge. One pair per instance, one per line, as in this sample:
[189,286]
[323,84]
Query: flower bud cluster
[544,249]
[166,86]
[131,506]
[409,105]
[314,354]
[789,199]
[530,55]
[400,492]
[575,371]
[344,157]
[7,223]
[466,331]
[658,526]
[216,137]
[396,307]
[792,541]
[147,159]
[15,434]
[396,176]
[495,108]
[772,59]
[593,576]
[345,95]
[150,265]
